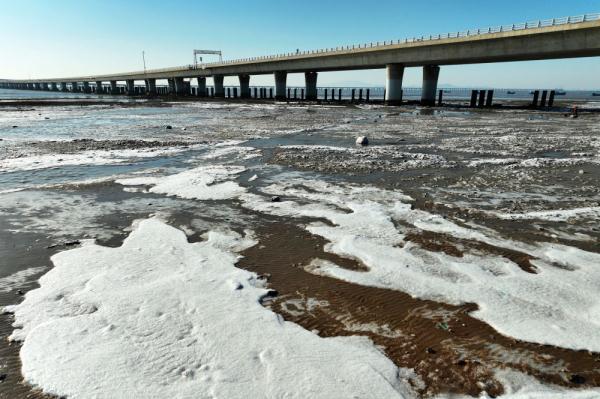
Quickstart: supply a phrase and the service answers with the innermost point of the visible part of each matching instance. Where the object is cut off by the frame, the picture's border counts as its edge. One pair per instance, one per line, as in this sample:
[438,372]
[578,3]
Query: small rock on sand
[362,140]
[275,198]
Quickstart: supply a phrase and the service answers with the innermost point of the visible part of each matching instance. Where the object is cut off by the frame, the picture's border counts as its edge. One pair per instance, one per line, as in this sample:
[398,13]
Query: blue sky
[42,38]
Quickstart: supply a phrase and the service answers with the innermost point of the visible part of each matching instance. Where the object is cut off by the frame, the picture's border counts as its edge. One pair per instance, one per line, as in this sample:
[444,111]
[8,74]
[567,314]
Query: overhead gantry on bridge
[539,40]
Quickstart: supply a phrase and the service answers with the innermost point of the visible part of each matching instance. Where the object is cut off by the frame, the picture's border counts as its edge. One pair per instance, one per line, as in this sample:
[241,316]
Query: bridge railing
[449,35]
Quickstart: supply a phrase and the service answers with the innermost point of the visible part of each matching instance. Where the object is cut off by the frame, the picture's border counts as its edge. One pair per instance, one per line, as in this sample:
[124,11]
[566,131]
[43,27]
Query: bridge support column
[219,89]
[201,86]
[99,88]
[150,86]
[280,85]
[113,87]
[393,84]
[310,79]
[53,86]
[181,87]
[244,86]
[45,86]
[130,84]
[86,87]
[63,86]
[74,87]
[430,81]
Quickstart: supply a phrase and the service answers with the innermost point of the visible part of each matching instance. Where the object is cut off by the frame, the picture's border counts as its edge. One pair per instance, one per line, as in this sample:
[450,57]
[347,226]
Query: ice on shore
[93,157]
[518,385]
[555,215]
[159,317]
[203,183]
[19,278]
[558,305]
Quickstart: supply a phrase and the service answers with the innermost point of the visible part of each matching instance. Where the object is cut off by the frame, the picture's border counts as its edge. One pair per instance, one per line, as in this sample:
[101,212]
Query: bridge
[567,37]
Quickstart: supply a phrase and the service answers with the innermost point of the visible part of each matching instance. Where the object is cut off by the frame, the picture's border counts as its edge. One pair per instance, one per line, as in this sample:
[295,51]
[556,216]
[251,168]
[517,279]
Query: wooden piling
[551,98]
[536,95]
[544,97]
[473,98]
[481,100]
[490,98]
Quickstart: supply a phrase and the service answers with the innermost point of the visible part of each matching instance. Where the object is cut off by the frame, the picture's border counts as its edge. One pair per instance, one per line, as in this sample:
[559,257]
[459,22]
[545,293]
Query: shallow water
[506,177]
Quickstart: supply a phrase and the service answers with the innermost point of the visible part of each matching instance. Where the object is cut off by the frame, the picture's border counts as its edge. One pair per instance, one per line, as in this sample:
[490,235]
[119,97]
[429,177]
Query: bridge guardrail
[449,35]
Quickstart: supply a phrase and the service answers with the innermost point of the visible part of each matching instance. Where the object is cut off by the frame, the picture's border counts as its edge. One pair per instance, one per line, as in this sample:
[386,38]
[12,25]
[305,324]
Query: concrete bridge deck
[558,38]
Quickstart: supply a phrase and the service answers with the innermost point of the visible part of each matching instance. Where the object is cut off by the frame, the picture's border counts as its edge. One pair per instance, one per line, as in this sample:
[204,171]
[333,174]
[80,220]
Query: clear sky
[43,38]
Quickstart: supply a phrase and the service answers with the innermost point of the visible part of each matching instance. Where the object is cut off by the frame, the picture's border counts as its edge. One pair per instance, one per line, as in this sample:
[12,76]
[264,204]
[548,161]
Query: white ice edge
[210,182]
[91,157]
[555,215]
[15,280]
[160,317]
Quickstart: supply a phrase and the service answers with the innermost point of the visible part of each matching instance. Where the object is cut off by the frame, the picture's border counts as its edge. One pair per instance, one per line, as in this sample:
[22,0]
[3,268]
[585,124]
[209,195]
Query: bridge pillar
[99,88]
[201,86]
[244,86]
[53,86]
[150,86]
[86,87]
[219,89]
[45,86]
[74,87]
[28,86]
[130,83]
[182,88]
[430,81]
[393,84]
[310,79]
[63,86]
[113,87]
[280,85]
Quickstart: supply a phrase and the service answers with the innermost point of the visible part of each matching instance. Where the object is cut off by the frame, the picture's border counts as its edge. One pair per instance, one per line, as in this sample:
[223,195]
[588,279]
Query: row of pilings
[478,98]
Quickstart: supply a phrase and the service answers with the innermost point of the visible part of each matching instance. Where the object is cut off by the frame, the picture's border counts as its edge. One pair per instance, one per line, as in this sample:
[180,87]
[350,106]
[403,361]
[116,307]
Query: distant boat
[596,94]
[510,92]
[559,93]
